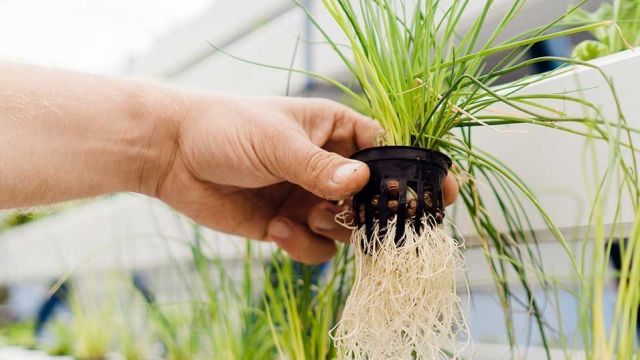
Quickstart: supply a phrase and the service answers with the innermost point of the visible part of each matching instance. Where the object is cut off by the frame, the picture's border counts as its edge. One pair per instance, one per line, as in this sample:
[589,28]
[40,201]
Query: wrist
[156,112]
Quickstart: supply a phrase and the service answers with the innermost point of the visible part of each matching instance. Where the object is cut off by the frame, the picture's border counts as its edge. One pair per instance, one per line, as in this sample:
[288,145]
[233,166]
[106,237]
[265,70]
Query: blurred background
[86,244]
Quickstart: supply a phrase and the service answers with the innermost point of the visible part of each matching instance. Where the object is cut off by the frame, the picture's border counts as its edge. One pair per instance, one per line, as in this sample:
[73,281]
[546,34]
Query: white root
[403,304]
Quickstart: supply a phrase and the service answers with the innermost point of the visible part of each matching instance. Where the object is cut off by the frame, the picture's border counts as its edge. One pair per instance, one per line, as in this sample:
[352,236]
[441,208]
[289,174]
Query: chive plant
[303,305]
[91,329]
[430,86]
[613,336]
[279,309]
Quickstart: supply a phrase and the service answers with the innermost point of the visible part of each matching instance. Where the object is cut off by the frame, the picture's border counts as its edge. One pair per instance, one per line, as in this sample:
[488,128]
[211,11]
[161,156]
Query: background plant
[273,308]
[91,328]
[612,239]
[622,34]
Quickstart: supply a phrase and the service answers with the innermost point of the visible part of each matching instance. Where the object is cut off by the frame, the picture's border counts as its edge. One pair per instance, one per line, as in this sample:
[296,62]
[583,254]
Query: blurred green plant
[611,332]
[18,218]
[62,339]
[274,309]
[304,304]
[18,334]
[91,327]
[623,33]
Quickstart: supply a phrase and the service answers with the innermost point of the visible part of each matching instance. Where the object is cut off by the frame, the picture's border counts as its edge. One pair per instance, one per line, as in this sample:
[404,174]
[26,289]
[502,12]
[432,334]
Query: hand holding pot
[256,167]
[264,168]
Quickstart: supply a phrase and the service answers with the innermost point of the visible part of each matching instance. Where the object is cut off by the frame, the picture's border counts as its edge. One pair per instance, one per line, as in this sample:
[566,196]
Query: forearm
[65,135]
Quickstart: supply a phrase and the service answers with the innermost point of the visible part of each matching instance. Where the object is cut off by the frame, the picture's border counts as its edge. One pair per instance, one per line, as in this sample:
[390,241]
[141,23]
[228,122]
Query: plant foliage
[622,34]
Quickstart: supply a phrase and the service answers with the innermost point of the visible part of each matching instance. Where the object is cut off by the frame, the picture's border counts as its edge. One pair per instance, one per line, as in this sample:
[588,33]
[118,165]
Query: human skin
[259,167]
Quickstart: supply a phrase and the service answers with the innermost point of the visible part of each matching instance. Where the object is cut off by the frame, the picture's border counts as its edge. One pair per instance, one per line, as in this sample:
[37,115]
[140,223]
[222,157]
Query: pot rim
[399,152]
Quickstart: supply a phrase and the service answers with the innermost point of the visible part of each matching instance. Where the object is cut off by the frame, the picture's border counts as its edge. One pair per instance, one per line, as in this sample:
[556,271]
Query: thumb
[325,174]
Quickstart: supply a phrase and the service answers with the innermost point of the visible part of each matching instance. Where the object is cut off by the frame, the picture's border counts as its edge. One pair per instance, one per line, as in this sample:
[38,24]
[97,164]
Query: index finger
[331,124]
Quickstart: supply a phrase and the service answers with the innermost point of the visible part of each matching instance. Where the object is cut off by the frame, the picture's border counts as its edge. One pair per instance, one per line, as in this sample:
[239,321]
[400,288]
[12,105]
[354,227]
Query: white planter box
[125,231]
[551,162]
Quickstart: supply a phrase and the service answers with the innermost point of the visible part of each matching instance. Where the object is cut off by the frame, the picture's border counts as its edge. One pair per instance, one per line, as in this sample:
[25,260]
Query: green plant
[622,342]
[235,325]
[132,331]
[62,343]
[277,309]
[622,34]
[430,86]
[18,334]
[91,327]
[19,218]
[303,305]
[224,320]
[614,338]
[177,327]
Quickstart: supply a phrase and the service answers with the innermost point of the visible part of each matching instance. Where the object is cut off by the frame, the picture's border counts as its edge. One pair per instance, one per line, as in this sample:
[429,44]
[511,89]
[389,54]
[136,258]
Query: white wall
[186,58]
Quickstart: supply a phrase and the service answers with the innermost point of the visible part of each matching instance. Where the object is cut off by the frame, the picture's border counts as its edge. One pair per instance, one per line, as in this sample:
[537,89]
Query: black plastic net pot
[406,182]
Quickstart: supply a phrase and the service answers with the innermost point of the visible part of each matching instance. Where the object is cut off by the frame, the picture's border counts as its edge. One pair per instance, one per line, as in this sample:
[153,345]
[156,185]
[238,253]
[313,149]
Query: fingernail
[279,229]
[325,221]
[344,172]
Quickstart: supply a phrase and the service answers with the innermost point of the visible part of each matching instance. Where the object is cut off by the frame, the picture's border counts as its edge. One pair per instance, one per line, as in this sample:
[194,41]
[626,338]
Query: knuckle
[341,115]
[322,102]
[328,109]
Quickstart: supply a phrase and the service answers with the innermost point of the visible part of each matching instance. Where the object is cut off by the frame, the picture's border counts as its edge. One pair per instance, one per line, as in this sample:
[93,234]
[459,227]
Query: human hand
[265,168]
[256,167]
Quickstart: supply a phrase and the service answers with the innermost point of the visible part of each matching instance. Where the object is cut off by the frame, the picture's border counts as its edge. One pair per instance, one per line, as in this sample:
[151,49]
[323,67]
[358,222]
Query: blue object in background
[52,303]
[560,47]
